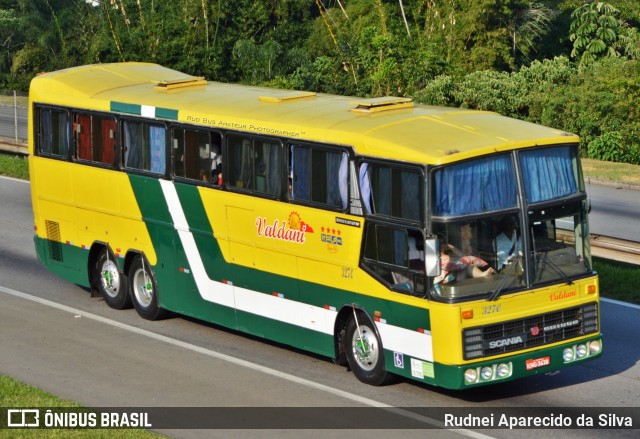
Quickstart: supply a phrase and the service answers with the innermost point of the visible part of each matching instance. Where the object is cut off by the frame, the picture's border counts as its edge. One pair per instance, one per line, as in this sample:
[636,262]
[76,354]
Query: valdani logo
[294,230]
[562,295]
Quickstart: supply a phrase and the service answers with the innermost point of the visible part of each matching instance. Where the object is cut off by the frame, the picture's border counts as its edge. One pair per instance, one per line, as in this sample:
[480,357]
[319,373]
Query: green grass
[12,166]
[619,172]
[618,280]
[16,394]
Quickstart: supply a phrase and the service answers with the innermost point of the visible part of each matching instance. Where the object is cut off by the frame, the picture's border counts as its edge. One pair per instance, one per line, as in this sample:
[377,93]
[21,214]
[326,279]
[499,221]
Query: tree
[595,30]
[529,22]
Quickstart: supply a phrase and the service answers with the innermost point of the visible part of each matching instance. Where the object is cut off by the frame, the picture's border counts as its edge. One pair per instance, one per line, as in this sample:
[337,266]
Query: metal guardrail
[615,249]
[13,116]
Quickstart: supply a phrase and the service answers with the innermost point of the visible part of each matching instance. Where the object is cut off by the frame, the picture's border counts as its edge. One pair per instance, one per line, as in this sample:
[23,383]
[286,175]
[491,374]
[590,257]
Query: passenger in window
[216,165]
[508,244]
[457,266]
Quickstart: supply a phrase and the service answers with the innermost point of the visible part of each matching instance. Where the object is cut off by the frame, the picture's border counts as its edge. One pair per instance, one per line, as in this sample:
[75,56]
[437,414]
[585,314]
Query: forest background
[569,64]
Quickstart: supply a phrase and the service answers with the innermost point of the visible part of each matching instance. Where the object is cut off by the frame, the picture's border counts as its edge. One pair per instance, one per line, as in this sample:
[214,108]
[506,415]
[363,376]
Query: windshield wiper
[507,275]
[557,269]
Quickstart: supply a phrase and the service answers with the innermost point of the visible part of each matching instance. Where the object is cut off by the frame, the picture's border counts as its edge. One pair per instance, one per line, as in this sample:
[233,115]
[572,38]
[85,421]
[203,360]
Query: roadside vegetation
[16,394]
[13,166]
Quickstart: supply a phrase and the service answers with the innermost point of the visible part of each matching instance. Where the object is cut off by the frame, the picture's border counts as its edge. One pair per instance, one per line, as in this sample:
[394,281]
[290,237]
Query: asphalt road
[54,335]
[7,123]
[615,211]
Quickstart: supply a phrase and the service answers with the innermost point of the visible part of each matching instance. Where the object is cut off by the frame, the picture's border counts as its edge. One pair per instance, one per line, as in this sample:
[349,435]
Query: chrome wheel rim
[110,278]
[364,345]
[142,288]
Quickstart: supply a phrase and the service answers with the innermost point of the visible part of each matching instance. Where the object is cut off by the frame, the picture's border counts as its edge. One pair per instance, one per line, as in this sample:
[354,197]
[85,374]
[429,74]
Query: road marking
[18,180]
[240,362]
[617,302]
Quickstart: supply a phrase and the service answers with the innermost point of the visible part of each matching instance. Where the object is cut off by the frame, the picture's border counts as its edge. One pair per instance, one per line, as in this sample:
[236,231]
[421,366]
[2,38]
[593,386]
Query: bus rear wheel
[144,293]
[364,351]
[110,282]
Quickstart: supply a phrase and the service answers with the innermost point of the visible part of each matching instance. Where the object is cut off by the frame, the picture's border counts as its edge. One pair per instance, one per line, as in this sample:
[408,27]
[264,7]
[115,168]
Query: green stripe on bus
[166,113]
[122,107]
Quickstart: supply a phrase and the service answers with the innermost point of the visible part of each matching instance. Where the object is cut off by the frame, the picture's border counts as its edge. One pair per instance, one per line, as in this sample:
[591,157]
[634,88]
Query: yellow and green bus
[444,245]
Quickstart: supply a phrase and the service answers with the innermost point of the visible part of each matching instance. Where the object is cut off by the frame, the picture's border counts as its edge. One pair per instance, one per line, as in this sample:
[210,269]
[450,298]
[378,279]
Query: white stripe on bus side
[409,342]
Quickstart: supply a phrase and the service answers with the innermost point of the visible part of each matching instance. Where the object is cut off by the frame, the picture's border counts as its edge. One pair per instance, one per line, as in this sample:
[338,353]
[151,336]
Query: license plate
[534,363]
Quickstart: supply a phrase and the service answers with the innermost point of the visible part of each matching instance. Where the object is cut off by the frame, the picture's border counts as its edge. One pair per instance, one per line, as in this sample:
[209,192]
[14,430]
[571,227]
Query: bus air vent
[53,240]
[382,104]
[173,84]
[286,96]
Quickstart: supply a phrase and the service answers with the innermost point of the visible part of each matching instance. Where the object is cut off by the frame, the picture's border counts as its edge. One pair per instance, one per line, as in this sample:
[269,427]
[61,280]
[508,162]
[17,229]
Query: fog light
[486,373]
[503,370]
[581,351]
[595,347]
[567,354]
[470,375]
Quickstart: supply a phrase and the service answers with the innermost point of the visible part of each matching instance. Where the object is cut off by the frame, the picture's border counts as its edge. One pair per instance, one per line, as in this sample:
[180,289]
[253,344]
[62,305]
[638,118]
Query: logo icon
[398,359]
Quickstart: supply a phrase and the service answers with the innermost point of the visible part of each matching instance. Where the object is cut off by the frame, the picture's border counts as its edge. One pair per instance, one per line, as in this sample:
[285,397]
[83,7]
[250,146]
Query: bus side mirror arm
[432,256]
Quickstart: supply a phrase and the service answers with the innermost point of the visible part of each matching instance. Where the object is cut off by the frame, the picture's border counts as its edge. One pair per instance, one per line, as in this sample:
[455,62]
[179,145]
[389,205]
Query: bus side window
[391,191]
[256,165]
[95,138]
[144,146]
[319,176]
[396,256]
[54,132]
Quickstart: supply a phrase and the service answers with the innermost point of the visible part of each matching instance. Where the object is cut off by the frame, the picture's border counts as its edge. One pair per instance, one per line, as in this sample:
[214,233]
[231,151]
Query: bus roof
[392,128]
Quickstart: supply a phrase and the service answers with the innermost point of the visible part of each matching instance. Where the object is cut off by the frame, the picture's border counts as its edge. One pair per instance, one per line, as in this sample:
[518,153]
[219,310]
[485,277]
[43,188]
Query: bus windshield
[487,245]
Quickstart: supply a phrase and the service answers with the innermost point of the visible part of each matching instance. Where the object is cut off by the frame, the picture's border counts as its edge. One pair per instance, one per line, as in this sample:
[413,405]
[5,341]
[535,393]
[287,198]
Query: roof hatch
[172,84]
[286,96]
[382,104]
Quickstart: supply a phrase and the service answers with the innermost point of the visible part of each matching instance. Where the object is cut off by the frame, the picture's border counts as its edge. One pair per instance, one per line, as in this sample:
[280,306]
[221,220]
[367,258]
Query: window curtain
[474,187]
[246,164]
[365,186]
[158,148]
[133,145]
[301,169]
[343,176]
[335,166]
[548,173]
[410,195]
[83,136]
[273,165]
[61,136]
[380,178]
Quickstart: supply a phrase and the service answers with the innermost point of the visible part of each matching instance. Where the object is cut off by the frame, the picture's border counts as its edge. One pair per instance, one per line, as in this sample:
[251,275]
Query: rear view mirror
[432,256]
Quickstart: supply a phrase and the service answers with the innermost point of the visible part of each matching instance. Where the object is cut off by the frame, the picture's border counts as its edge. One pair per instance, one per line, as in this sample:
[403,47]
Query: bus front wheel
[364,351]
[144,293]
[110,282]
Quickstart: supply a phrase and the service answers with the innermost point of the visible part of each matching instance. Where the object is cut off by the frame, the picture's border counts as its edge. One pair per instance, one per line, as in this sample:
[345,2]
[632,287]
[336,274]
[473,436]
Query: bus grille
[485,341]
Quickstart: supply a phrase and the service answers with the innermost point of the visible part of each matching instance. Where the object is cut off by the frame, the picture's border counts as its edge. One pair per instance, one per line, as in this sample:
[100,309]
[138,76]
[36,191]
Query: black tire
[110,282]
[364,351]
[143,290]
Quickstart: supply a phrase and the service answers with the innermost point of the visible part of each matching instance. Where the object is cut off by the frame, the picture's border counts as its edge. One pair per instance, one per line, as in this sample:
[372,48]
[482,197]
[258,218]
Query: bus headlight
[581,351]
[503,370]
[595,347]
[567,354]
[470,375]
[486,373]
